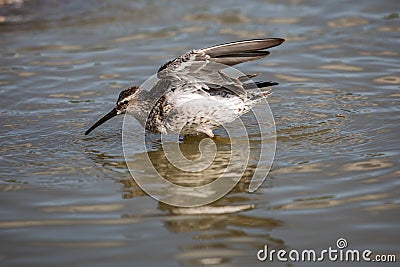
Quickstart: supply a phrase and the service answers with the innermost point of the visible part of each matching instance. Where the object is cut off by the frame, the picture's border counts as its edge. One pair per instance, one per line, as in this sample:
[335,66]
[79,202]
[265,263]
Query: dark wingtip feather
[242,46]
[233,59]
[260,85]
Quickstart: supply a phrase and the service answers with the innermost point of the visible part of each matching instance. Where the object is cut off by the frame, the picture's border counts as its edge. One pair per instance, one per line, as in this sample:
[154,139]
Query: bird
[193,94]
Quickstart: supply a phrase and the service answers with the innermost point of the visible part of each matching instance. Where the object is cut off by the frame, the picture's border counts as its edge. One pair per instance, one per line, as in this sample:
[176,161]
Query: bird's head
[127,97]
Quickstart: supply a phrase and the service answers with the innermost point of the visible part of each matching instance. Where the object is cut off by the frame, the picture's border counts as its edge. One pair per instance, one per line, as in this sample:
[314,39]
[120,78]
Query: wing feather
[242,46]
[201,68]
[232,53]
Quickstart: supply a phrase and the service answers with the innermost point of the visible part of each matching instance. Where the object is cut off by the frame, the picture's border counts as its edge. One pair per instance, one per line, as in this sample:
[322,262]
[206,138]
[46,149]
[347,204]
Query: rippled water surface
[68,199]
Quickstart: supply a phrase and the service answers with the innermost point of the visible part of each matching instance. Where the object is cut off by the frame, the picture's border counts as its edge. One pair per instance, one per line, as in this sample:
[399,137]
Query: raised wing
[228,54]
[200,69]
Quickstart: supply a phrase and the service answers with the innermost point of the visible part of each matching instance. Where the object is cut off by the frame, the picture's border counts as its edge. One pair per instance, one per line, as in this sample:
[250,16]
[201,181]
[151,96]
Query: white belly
[201,113]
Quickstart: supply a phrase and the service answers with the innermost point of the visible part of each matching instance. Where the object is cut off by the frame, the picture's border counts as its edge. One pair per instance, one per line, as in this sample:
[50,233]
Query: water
[68,199]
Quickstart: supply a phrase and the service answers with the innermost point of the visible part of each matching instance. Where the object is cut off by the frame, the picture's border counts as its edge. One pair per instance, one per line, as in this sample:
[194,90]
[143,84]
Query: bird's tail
[254,85]
[259,90]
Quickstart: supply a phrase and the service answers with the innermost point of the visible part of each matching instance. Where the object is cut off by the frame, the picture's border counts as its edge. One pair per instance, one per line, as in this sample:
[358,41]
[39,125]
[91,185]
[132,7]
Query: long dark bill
[105,118]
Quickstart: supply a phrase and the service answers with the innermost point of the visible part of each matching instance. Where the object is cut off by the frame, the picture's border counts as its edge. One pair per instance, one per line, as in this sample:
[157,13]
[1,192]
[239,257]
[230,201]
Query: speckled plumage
[193,94]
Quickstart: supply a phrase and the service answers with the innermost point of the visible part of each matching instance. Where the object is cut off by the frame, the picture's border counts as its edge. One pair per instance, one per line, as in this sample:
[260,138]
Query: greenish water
[68,199]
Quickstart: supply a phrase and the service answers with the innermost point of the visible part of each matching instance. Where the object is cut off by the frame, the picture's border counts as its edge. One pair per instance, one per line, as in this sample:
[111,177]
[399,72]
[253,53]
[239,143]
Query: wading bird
[193,95]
